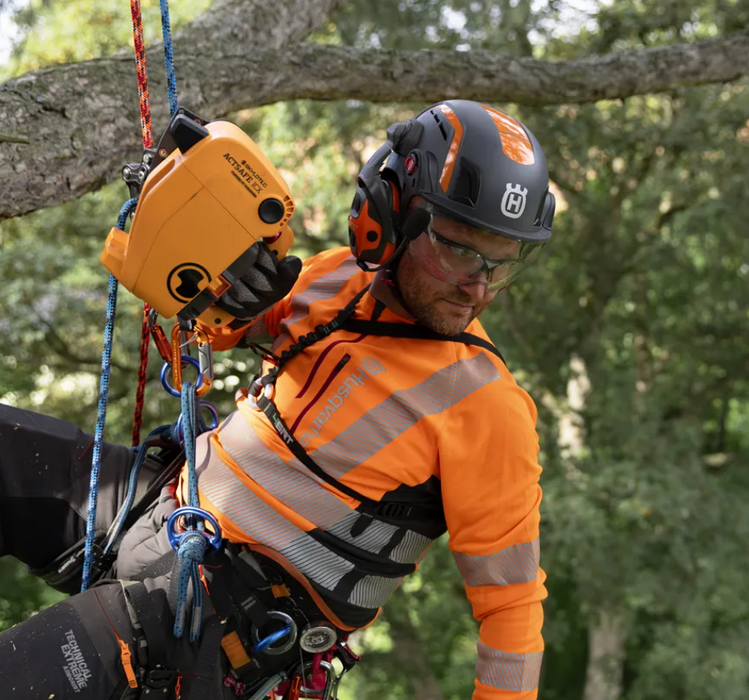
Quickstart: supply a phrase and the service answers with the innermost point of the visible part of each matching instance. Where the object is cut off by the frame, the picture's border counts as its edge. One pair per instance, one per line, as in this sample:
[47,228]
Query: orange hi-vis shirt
[439,425]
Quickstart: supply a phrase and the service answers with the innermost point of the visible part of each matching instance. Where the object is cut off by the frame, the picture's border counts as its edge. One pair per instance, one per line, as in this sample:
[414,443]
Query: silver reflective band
[515,564]
[382,424]
[507,671]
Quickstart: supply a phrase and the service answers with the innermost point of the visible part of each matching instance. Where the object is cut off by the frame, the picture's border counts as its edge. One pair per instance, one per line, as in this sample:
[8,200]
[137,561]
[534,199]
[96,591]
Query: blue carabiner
[176,537]
[209,426]
[167,367]
[272,638]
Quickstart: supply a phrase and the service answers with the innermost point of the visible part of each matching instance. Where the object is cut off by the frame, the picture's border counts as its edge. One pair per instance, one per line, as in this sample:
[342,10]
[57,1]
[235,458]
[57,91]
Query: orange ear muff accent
[366,238]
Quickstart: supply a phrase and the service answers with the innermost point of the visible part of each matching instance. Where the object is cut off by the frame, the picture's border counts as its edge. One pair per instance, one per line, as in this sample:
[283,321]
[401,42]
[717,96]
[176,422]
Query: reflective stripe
[411,548]
[261,523]
[290,482]
[257,330]
[323,288]
[516,564]
[373,591]
[299,489]
[506,671]
[373,539]
[402,409]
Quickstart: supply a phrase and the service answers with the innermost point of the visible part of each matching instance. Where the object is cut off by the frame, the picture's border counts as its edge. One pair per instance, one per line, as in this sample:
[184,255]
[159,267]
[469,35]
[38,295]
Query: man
[382,417]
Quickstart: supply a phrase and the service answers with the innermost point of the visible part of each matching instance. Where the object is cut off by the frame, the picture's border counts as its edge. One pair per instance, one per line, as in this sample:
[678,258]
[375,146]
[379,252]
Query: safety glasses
[457,263]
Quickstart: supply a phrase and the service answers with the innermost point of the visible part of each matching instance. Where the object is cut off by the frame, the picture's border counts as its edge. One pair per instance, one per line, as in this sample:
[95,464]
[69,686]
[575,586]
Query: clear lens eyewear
[458,264]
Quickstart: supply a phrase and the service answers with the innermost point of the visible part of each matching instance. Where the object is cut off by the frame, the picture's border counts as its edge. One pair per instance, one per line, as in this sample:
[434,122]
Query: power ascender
[207,193]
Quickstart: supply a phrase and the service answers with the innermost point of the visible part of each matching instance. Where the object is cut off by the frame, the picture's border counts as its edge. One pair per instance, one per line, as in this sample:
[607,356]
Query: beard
[423,296]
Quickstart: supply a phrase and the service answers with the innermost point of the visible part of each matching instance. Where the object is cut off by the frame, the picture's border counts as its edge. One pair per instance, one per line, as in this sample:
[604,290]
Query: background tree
[629,333]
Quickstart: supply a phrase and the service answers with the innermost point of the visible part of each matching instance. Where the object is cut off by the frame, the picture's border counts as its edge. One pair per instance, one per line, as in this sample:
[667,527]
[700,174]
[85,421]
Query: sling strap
[407,330]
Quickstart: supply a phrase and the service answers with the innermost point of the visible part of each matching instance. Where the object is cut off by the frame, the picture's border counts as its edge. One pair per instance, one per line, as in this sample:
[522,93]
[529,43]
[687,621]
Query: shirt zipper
[336,371]
[319,361]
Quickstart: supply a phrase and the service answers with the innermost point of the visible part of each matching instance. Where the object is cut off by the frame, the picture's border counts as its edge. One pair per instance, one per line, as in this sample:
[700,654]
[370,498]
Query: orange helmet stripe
[515,142]
[452,153]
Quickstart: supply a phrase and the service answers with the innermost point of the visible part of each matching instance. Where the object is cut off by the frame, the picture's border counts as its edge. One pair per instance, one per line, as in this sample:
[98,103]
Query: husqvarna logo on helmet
[513,201]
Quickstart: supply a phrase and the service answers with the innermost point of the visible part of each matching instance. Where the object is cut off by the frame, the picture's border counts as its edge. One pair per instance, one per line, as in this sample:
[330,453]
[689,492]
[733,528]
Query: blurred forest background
[631,333]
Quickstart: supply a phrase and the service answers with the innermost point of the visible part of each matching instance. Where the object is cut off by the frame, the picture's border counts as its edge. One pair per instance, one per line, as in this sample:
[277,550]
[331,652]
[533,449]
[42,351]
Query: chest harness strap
[263,389]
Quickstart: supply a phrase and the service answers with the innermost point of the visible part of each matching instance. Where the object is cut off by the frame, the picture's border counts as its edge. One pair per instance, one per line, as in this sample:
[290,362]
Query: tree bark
[606,640]
[82,119]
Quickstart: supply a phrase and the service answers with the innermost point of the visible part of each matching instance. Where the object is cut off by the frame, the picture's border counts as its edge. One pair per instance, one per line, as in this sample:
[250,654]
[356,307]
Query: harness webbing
[404,330]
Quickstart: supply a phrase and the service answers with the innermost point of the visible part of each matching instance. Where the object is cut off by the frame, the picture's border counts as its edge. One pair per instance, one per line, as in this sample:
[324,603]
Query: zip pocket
[334,373]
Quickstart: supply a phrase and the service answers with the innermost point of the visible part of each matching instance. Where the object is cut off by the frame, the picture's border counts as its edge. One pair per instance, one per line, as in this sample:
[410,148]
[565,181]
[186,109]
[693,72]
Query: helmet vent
[439,124]
[467,184]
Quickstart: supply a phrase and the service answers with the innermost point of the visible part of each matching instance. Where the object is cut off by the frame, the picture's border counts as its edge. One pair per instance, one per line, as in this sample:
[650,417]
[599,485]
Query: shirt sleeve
[265,326]
[490,488]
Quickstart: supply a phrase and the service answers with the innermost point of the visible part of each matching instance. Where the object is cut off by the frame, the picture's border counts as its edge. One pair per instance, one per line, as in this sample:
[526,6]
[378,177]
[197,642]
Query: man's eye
[463,252]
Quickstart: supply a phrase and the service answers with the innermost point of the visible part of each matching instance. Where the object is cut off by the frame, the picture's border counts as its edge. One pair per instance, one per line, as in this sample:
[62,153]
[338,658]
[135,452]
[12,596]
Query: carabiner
[159,337]
[175,538]
[204,381]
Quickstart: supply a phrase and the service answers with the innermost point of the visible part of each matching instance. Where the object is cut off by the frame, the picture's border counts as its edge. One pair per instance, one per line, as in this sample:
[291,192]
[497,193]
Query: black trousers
[73,649]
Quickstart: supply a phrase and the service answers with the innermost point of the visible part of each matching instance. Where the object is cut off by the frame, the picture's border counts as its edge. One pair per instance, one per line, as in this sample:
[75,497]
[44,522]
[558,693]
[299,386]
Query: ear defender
[374,217]
[370,227]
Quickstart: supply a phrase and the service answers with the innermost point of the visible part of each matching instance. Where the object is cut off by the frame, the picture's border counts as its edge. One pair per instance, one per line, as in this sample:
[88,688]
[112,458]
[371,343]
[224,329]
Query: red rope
[145,125]
[140,65]
[140,392]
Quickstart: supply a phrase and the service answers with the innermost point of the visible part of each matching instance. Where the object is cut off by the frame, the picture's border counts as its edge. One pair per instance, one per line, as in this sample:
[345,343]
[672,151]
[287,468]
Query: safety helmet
[475,163]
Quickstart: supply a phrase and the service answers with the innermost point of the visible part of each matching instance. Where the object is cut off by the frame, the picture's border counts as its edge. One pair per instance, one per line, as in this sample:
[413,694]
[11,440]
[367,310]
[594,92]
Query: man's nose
[476,288]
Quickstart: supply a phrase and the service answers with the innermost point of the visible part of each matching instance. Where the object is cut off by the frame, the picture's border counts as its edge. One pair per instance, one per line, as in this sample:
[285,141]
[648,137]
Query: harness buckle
[159,679]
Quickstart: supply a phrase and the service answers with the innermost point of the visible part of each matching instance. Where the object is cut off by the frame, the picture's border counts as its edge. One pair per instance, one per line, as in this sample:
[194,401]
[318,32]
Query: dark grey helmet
[480,165]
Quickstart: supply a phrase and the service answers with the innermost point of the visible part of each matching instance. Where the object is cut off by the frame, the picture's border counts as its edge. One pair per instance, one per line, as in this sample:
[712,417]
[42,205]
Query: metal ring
[264,645]
[166,371]
[175,538]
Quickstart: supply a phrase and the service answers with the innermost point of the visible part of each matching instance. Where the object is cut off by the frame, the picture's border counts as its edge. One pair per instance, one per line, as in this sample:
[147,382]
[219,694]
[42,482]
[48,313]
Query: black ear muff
[373,234]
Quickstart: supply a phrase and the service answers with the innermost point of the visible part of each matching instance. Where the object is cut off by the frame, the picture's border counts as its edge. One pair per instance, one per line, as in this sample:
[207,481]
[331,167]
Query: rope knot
[192,547]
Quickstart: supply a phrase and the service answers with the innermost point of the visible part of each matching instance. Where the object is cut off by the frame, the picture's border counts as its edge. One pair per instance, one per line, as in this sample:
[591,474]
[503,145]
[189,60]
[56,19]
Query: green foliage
[640,302]
[21,593]
[64,32]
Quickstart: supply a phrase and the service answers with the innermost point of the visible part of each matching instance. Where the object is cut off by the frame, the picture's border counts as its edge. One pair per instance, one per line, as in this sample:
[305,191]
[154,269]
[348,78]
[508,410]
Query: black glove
[266,282]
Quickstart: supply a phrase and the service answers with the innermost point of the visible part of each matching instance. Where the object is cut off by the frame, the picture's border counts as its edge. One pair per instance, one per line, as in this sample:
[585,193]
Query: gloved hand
[266,282]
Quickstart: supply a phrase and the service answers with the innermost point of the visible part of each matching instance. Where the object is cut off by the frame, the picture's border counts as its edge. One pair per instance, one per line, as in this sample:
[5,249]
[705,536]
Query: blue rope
[106,366]
[171,78]
[193,545]
[116,528]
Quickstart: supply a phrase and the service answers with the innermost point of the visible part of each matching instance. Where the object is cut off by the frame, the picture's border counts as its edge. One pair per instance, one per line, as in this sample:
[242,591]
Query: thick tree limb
[335,72]
[82,119]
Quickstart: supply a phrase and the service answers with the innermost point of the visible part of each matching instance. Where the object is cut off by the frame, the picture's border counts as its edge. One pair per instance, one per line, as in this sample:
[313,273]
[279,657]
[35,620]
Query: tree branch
[82,119]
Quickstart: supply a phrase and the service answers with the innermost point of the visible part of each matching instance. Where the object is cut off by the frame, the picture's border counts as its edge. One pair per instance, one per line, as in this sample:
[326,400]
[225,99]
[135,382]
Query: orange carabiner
[205,372]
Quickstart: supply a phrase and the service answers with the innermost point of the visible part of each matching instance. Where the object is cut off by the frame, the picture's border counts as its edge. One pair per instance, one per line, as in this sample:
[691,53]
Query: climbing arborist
[382,417]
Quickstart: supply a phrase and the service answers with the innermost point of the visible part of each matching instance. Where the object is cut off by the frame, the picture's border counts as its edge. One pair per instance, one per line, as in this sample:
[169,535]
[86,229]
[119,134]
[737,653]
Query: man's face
[443,306]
